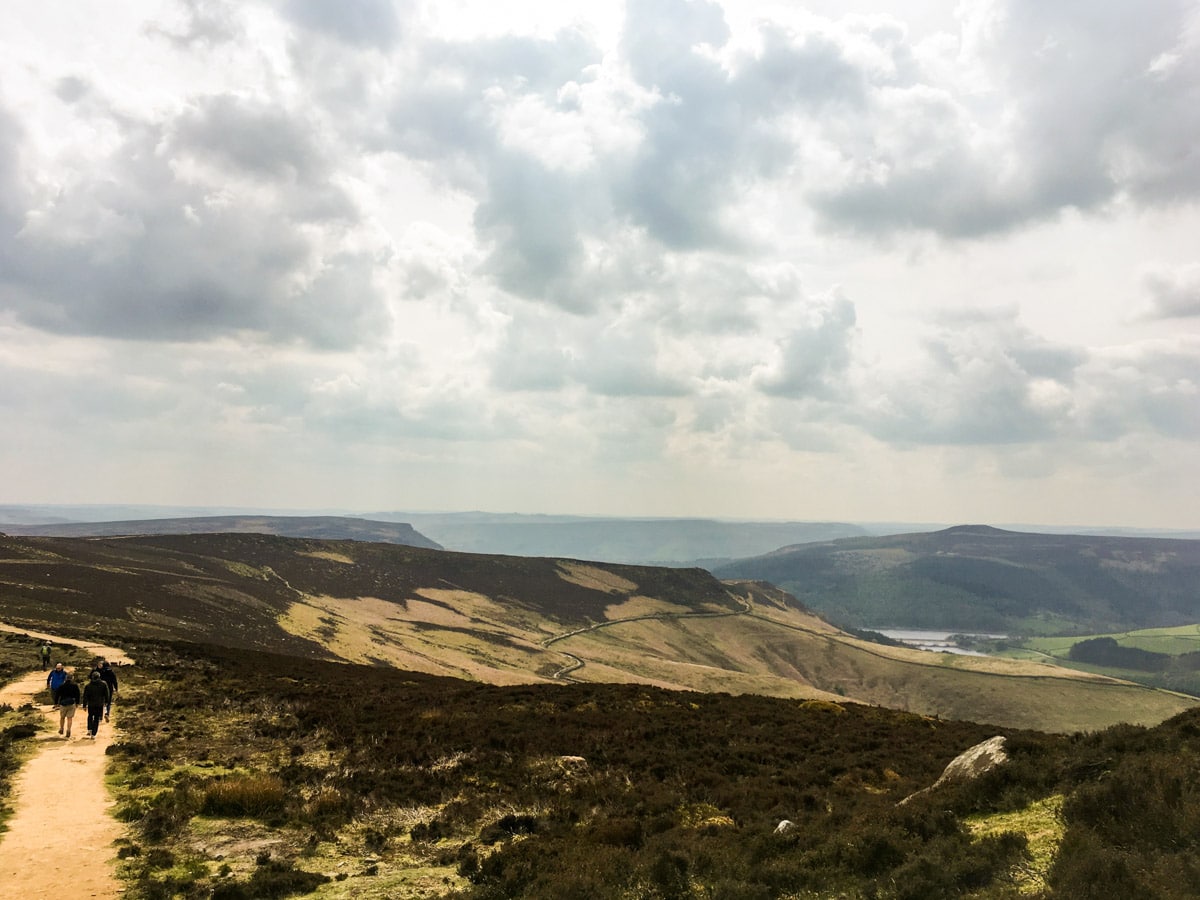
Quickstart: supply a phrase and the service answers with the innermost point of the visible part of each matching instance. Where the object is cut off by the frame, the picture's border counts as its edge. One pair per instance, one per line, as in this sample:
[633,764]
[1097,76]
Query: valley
[519,620]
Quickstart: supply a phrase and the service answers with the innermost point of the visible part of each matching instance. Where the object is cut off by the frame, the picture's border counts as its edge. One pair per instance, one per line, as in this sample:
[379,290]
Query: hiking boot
[60,731]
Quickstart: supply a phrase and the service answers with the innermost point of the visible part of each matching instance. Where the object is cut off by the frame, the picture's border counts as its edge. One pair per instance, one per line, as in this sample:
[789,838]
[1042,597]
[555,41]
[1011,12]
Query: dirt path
[59,842]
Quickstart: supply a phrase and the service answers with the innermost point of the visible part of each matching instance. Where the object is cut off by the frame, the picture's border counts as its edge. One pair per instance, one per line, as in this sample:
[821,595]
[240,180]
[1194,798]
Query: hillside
[244,775]
[327,527]
[981,578]
[509,620]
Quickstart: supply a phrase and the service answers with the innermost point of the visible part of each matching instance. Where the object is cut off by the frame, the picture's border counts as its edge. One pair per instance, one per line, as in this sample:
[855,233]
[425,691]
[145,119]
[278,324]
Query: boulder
[969,764]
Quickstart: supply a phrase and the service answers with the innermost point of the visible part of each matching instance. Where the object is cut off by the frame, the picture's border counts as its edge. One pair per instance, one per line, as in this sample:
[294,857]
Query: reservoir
[937,641]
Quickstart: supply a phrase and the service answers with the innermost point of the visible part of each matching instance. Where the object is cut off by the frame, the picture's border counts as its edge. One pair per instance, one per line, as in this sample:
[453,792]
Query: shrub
[255,796]
[269,881]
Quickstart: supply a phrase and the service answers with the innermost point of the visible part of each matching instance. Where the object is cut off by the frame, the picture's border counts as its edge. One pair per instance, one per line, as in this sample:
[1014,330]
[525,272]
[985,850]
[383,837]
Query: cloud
[696,246]
[11,189]
[547,352]
[361,23]
[1172,292]
[208,22]
[249,137]
[812,358]
[1073,105]
[218,221]
[1151,387]
[986,380]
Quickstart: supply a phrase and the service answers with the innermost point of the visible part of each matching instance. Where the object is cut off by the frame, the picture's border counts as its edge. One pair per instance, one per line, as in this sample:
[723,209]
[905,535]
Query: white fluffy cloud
[421,244]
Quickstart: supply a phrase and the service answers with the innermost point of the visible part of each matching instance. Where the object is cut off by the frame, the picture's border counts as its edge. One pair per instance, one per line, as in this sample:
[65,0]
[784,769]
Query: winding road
[576,663]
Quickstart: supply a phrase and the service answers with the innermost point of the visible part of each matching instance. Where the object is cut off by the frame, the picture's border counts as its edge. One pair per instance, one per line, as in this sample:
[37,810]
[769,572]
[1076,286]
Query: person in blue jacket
[54,681]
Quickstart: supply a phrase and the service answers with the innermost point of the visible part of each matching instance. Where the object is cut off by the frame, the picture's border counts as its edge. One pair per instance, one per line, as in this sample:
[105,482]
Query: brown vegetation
[379,783]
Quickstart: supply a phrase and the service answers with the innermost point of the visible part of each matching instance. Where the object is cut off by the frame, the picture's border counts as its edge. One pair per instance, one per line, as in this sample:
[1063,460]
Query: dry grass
[778,651]
[594,578]
[329,555]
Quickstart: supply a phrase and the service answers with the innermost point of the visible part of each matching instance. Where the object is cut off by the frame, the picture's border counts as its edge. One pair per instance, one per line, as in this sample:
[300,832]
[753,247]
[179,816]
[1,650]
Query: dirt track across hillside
[59,842]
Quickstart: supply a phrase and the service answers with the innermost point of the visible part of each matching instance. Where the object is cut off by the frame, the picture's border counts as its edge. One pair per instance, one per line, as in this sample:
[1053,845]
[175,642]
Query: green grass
[1172,641]
[1042,825]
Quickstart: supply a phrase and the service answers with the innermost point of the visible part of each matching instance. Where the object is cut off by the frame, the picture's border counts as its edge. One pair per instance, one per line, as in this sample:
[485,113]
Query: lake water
[937,641]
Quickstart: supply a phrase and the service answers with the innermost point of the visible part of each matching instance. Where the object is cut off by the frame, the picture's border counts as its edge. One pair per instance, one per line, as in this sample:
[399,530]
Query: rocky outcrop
[968,765]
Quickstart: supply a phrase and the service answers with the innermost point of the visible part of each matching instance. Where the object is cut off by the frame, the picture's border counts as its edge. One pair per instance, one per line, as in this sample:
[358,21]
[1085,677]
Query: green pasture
[1173,641]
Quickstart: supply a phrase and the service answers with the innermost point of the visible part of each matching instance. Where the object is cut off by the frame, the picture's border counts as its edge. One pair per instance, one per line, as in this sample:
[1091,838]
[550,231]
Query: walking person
[109,676]
[67,701]
[44,653]
[95,696]
[55,680]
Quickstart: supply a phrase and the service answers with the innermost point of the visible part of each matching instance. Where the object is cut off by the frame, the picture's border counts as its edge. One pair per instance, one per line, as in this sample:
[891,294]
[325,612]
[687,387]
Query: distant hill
[685,542]
[982,578]
[513,620]
[327,527]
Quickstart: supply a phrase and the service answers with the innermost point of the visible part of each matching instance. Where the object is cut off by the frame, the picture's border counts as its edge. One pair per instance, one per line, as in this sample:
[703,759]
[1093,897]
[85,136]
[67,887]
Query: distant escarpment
[332,528]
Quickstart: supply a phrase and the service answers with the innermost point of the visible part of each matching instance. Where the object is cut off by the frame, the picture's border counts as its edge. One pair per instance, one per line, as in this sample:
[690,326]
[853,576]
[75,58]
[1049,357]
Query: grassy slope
[977,578]
[779,651]
[515,620]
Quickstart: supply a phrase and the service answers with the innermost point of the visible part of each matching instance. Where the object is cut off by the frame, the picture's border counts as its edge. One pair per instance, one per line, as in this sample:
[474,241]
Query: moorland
[247,774]
[339,718]
[509,620]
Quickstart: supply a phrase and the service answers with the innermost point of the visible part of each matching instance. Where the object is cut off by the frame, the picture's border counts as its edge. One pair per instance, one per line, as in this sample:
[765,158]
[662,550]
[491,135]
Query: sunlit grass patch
[258,573]
[703,815]
[1042,824]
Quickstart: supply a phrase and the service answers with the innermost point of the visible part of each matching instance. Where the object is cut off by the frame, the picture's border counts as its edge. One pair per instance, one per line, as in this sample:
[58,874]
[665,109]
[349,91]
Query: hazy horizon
[813,261]
[107,512]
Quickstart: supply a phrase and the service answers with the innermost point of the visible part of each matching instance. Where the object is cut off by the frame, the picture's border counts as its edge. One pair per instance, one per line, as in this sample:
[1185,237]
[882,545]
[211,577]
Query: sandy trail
[59,842]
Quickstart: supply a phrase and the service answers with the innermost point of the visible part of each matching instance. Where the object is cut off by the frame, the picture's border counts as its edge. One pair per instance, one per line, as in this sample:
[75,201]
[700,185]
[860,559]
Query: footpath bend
[59,842]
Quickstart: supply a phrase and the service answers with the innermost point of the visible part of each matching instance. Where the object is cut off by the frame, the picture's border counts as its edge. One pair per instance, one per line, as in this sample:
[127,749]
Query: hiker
[44,653]
[109,676]
[55,680]
[95,697]
[67,701]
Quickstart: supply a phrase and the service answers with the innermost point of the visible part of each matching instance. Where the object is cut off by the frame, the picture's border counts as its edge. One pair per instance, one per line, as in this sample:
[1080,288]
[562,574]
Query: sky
[862,261]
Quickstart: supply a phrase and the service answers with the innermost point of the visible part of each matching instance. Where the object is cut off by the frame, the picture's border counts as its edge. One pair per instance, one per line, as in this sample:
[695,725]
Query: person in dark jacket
[68,701]
[55,680]
[95,696]
[109,676]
